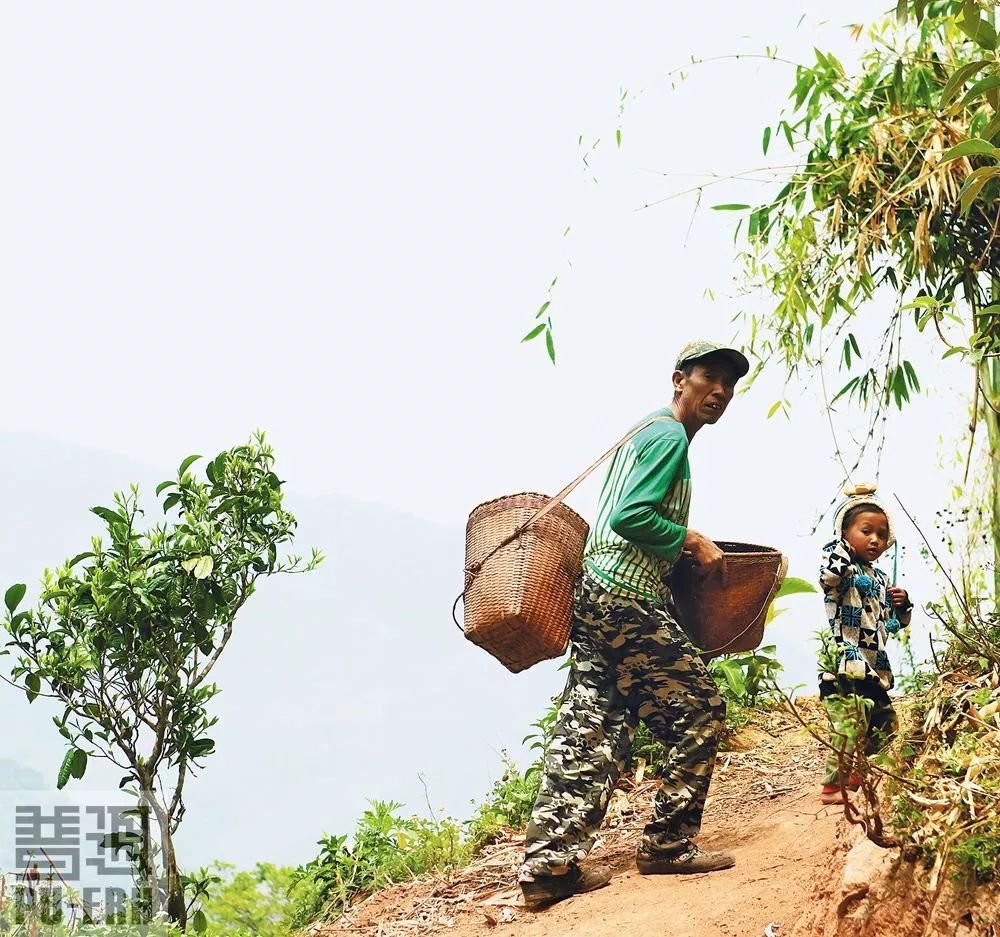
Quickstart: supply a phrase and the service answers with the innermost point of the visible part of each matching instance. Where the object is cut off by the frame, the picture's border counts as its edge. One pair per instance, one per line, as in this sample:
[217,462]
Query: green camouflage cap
[700,349]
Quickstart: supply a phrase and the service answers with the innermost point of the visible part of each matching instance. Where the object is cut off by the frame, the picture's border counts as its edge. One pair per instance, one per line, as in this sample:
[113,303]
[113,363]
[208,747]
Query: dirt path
[762,806]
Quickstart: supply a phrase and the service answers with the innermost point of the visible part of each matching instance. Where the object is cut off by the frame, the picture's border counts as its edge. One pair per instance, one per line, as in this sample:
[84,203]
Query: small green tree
[126,635]
[255,902]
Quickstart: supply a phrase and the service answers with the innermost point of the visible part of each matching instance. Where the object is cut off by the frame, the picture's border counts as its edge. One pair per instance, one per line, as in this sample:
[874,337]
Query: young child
[859,605]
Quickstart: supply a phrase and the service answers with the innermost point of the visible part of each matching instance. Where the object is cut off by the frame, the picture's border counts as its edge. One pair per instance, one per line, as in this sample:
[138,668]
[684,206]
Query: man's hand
[706,554]
[898,597]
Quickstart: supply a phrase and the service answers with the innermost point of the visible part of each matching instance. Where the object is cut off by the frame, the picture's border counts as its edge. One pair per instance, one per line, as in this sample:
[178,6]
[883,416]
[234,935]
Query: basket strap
[779,576]
[473,570]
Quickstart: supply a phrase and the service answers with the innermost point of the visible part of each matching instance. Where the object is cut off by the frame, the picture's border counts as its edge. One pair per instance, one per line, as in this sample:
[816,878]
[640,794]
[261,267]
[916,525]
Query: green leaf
[203,567]
[974,184]
[775,407]
[122,839]
[787,128]
[970,148]
[922,302]
[901,9]
[793,586]
[957,350]
[199,922]
[33,686]
[550,346]
[731,206]
[201,747]
[846,389]
[618,137]
[163,486]
[544,306]
[65,769]
[80,556]
[767,139]
[186,464]
[12,597]
[170,501]
[534,333]
[992,128]
[106,514]
[734,677]
[980,88]
[958,79]
[979,31]
[78,767]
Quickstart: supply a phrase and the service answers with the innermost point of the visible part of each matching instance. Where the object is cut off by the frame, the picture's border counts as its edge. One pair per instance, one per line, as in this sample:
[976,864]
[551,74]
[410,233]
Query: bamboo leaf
[767,139]
[974,185]
[980,88]
[958,78]
[534,333]
[730,206]
[979,31]
[550,346]
[774,409]
[846,389]
[970,148]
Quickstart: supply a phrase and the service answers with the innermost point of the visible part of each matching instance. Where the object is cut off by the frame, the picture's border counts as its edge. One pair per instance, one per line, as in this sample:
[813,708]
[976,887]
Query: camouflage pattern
[630,661]
[855,717]
[694,350]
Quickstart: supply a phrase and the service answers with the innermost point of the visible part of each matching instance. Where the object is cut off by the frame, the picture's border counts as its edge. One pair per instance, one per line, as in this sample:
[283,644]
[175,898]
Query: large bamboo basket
[722,619]
[519,604]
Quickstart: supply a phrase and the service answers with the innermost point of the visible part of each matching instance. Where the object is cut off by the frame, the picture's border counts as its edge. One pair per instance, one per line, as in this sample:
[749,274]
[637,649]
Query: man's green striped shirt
[643,512]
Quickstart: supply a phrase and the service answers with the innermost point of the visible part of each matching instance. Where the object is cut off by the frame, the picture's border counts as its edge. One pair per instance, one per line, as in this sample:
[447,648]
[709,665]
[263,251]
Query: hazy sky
[336,221]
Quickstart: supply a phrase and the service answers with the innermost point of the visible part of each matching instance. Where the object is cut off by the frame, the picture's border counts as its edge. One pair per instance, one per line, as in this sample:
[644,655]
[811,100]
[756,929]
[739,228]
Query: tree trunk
[173,886]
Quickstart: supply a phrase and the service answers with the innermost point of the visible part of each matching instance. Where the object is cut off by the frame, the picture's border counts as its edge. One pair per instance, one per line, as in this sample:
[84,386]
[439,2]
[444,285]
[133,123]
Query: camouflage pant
[631,661]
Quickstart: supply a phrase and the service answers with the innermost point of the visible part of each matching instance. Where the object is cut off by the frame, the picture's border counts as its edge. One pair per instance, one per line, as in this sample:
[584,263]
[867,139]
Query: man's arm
[636,516]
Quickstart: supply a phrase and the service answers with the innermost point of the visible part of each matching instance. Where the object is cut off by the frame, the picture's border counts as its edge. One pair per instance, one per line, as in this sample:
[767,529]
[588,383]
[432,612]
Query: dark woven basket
[519,606]
[722,619]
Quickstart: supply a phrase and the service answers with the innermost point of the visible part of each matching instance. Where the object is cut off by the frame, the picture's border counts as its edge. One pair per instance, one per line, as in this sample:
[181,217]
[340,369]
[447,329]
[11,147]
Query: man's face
[706,393]
[868,534]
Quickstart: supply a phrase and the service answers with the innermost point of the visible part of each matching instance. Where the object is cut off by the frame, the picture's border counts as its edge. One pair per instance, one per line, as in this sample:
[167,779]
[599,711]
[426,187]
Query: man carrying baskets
[631,660]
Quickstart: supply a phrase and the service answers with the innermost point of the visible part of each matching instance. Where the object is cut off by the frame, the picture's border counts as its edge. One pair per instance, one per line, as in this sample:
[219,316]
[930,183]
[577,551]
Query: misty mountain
[343,685]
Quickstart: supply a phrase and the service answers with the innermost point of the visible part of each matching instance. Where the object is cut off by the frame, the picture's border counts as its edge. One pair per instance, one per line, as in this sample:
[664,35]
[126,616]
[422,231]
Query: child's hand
[899,597]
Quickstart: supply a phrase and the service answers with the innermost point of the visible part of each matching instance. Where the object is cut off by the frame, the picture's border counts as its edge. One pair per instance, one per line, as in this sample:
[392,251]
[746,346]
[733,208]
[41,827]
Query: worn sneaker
[548,889]
[689,862]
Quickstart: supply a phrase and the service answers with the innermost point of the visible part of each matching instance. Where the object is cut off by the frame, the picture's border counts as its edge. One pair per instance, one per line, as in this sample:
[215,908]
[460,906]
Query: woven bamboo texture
[727,618]
[519,606]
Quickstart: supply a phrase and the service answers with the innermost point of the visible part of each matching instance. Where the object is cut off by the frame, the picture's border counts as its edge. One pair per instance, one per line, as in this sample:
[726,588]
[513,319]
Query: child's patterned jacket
[858,609]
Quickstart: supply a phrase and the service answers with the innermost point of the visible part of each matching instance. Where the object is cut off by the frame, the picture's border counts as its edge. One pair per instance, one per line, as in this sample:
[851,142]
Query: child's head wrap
[858,495]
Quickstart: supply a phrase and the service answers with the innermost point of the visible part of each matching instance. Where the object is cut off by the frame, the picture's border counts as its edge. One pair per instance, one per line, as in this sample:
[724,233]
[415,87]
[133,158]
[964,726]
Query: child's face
[868,535]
